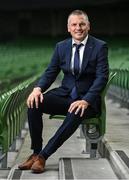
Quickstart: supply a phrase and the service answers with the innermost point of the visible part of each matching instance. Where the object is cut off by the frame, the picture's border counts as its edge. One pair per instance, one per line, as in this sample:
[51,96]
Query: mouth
[79,33]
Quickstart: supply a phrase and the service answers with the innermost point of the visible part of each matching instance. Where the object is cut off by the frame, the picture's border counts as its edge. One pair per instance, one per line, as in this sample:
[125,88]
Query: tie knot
[78,46]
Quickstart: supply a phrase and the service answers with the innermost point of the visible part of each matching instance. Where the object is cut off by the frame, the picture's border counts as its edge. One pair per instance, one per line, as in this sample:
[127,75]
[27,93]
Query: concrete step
[85,168]
[4,173]
[51,172]
[118,159]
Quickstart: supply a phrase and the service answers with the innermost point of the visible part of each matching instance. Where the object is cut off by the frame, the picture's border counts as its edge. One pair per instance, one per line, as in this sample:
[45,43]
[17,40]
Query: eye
[74,24]
[83,24]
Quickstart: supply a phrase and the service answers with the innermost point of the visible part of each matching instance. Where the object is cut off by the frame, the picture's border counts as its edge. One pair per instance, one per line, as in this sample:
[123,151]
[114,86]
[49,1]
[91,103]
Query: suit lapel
[87,52]
[68,54]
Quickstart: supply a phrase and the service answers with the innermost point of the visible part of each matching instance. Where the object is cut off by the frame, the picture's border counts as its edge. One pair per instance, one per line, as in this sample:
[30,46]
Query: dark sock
[36,151]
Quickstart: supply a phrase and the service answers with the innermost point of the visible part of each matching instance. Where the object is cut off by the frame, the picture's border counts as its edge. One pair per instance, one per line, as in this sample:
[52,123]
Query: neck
[79,41]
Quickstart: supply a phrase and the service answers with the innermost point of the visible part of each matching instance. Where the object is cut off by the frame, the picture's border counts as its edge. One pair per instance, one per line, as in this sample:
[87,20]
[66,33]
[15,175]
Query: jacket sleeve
[50,73]
[101,75]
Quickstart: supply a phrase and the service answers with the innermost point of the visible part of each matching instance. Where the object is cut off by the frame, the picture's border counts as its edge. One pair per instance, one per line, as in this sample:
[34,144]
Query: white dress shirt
[81,52]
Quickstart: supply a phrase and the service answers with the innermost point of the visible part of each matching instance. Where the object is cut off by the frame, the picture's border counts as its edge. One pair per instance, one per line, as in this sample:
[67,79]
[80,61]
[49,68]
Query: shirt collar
[82,42]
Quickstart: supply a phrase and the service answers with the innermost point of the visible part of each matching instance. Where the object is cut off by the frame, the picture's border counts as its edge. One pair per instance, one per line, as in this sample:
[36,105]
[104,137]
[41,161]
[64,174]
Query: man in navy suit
[84,62]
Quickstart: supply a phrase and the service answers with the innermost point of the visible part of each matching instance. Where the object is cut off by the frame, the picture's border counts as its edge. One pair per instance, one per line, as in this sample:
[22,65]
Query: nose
[78,26]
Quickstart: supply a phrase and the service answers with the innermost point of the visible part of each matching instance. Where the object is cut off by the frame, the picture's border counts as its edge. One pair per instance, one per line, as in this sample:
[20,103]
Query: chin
[80,38]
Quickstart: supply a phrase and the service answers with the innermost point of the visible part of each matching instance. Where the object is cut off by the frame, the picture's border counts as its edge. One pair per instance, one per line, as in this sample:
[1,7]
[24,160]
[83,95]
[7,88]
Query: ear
[68,28]
[88,26]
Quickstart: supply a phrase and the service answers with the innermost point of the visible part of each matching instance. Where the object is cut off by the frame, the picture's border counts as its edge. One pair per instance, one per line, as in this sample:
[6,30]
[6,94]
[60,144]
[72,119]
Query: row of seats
[120,87]
[12,114]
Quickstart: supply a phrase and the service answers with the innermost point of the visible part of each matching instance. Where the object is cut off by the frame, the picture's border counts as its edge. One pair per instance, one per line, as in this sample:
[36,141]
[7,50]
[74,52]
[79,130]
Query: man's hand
[35,95]
[79,105]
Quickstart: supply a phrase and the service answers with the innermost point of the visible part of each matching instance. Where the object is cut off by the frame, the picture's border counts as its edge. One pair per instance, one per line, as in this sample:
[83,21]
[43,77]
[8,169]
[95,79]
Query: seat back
[102,118]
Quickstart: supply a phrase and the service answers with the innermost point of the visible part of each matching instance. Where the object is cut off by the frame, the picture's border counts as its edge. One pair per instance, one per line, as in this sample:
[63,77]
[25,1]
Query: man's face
[78,27]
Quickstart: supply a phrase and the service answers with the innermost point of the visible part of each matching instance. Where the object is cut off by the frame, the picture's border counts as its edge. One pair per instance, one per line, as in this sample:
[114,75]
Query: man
[84,62]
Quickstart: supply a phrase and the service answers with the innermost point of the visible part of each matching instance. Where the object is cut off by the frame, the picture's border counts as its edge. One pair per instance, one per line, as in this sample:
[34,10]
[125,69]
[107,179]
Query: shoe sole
[37,171]
[24,168]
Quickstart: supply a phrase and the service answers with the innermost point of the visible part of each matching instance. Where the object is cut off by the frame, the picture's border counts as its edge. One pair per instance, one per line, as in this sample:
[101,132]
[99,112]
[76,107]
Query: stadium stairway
[70,163]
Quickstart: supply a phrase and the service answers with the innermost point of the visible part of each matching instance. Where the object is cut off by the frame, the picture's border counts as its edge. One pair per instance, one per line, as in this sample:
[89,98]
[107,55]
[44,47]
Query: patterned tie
[74,94]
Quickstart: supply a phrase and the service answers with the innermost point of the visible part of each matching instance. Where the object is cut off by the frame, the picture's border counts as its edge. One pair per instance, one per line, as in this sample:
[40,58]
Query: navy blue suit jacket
[94,72]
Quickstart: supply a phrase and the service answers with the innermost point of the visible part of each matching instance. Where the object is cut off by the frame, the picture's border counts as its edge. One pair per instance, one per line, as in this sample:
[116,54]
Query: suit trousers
[53,104]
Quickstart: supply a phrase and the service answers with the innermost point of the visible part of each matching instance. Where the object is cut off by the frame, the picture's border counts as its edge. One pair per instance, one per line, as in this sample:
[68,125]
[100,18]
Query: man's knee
[75,117]
[35,109]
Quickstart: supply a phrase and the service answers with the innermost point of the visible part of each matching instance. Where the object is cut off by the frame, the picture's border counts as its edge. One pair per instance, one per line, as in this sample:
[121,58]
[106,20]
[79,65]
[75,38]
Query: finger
[73,108]
[36,102]
[28,102]
[69,110]
[70,107]
[78,109]
[41,98]
[82,111]
[31,102]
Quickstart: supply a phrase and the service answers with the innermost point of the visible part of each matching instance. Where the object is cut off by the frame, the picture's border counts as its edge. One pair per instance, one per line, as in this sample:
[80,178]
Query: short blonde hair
[78,12]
